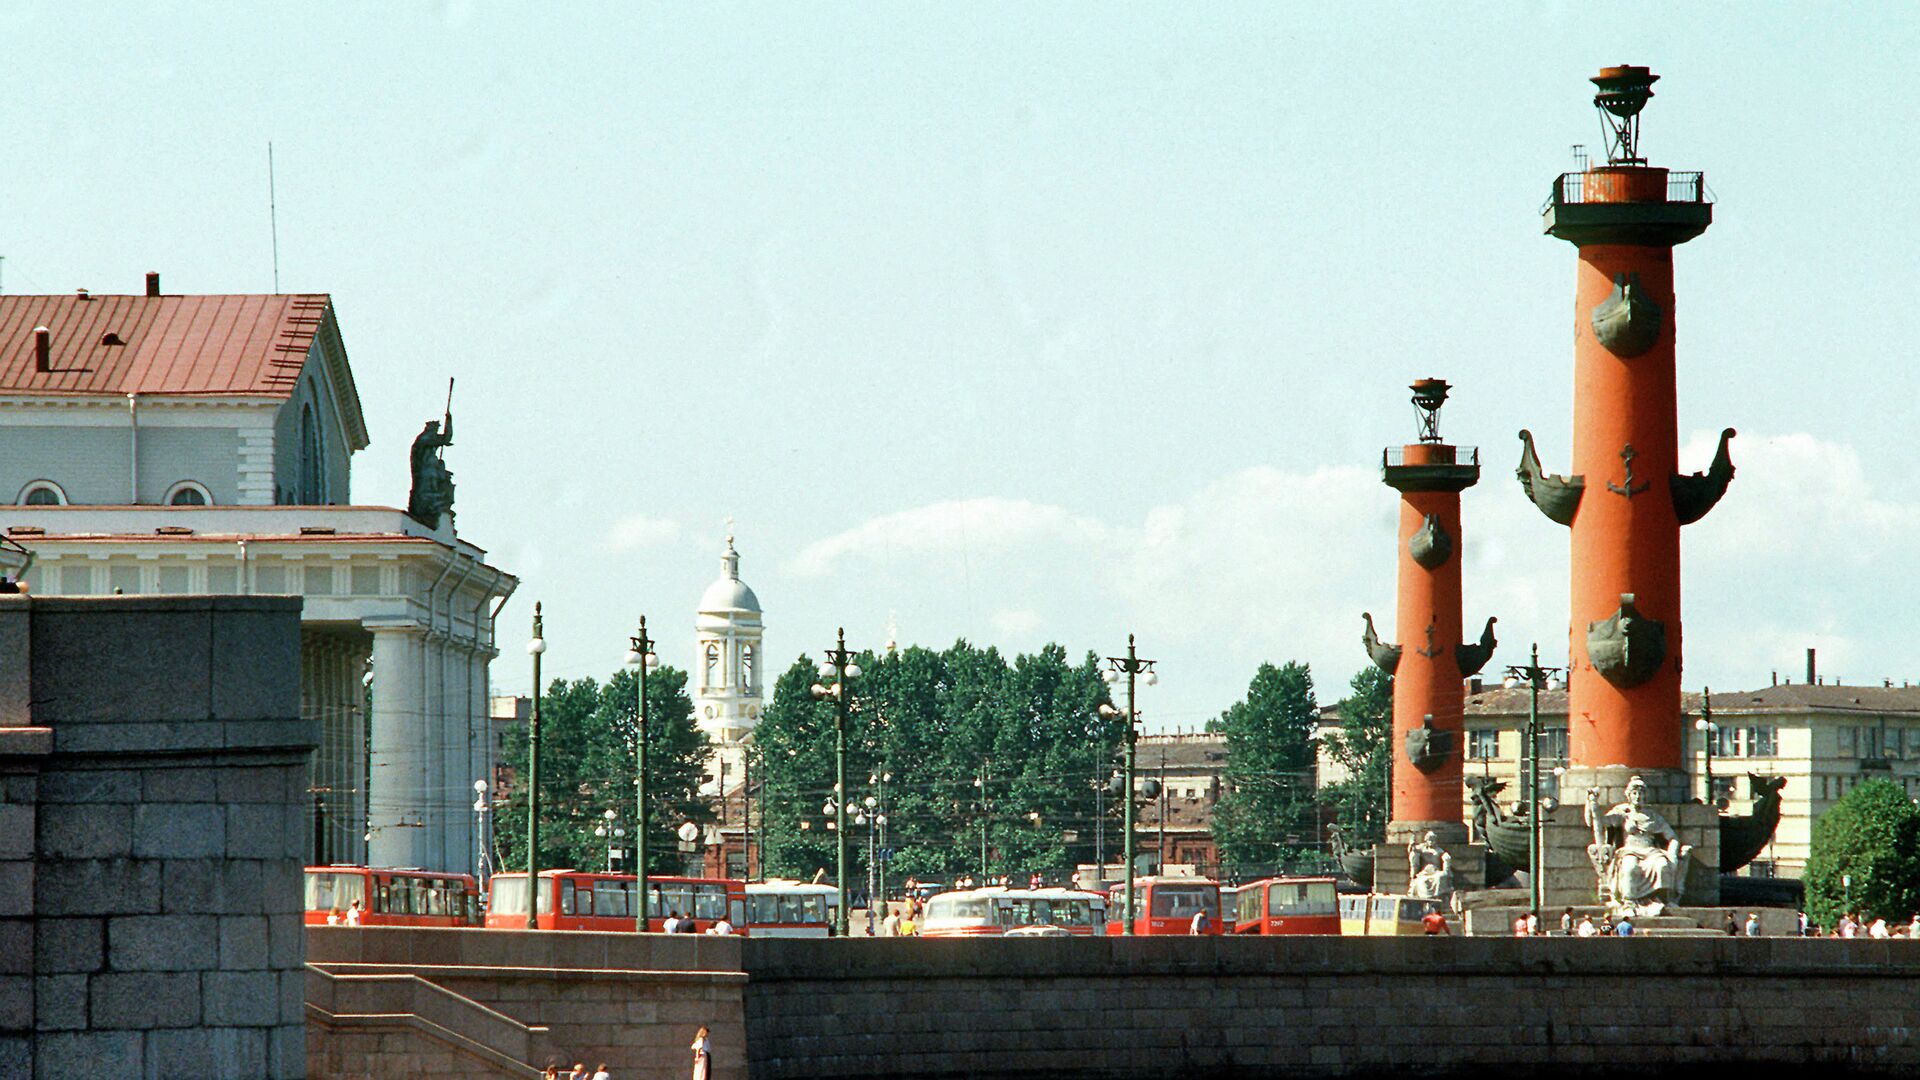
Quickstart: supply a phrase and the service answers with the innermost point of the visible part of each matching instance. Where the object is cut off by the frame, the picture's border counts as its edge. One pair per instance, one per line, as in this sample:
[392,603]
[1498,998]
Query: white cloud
[1270,564]
[637,531]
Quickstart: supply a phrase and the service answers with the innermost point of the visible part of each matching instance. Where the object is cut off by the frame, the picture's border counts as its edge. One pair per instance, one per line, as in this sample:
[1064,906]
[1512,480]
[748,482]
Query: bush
[1873,836]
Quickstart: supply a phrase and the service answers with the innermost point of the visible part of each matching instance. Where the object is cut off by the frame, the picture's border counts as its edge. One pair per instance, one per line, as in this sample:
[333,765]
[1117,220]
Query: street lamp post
[1132,666]
[482,866]
[1537,678]
[535,648]
[1708,732]
[840,667]
[607,832]
[641,658]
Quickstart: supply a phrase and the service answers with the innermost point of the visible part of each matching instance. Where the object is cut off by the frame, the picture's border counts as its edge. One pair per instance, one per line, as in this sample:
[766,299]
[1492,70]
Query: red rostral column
[1431,661]
[1627,499]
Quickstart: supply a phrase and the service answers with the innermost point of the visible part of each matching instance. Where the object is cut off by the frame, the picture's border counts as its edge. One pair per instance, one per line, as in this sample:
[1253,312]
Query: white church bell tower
[726,667]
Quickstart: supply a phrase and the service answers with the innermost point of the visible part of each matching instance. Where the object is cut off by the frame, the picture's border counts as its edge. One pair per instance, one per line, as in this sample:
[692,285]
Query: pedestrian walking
[1435,924]
[1732,928]
[1533,924]
[601,1073]
[1624,928]
[1879,929]
[702,1054]
[1806,925]
[1566,923]
[890,926]
[1586,928]
[1753,924]
[1199,924]
[353,914]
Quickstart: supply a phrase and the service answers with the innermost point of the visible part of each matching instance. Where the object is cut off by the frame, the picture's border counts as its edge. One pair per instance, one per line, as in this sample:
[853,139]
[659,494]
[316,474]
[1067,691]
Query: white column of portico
[455,781]
[353,689]
[397,789]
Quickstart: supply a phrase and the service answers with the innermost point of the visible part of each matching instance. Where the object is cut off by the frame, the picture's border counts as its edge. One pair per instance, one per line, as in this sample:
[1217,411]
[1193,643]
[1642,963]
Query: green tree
[587,766]
[1363,749]
[939,724]
[1266,815]
[1872,837]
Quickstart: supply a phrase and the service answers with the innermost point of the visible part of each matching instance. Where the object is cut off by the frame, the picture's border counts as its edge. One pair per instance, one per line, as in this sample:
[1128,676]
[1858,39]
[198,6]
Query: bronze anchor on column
[1627,454]
[1431,650]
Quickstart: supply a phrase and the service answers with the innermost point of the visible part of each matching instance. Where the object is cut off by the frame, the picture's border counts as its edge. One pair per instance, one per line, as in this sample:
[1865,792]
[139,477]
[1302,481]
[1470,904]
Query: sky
[1022,323]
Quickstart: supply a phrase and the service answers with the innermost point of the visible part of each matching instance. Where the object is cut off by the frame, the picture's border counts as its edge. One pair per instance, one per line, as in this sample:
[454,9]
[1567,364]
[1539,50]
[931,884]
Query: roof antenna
[273,219]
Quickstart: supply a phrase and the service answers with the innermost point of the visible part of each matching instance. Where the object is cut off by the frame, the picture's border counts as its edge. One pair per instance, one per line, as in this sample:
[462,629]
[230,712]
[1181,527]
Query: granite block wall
[152,797]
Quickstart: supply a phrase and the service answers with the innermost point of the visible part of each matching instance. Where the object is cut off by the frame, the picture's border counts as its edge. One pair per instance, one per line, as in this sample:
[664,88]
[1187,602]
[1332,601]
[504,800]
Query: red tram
[1288,905]
[1165,905]
[581,900]
[388,897]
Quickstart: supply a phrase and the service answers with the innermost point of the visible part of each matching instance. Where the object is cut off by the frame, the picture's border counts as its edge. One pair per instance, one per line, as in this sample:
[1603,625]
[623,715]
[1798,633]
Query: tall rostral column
[1626,499]
[1431,660]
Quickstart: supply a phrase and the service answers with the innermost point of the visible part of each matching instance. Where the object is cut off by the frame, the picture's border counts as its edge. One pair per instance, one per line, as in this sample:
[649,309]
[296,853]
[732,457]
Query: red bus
[1165,905]
[391,897]
[1288,905]
[582,900]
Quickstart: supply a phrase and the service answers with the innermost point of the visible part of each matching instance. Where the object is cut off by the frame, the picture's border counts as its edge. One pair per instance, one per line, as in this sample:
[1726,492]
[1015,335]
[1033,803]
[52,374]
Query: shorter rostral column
[1431,662]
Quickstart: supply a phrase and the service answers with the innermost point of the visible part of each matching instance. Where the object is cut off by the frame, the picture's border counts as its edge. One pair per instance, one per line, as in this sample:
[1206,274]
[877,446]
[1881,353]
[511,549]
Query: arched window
[42,493]
[746,667]
[711,676]
[188,493]
[311,472]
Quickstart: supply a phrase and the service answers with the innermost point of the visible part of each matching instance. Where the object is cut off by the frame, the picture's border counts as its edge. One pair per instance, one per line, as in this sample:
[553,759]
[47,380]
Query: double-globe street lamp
[839,666]
[641,658]
[1537,678]
[611,833]
[875,820]
[1132,666]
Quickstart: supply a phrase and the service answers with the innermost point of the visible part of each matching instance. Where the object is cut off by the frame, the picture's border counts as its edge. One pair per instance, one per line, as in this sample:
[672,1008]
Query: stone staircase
[448,1035]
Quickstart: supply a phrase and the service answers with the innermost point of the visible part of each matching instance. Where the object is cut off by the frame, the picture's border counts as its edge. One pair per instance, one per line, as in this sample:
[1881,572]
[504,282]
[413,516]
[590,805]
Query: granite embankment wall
[1133,1008]
[385,1002]
[153,801]
[1259,1007]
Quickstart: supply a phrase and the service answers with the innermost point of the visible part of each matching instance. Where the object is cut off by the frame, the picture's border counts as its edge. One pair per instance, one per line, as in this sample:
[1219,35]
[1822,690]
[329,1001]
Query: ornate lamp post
[839,667]
[1132,666]
[535,648]
[482,866]
[1537,678]
[641,659]
[1709,732]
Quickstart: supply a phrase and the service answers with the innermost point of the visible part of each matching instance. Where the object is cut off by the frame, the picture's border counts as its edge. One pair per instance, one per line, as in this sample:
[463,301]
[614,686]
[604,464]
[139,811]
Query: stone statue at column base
[1429,869]
[1637,856]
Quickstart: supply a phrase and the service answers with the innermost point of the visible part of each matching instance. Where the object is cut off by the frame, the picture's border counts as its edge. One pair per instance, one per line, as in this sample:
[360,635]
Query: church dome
[729,593]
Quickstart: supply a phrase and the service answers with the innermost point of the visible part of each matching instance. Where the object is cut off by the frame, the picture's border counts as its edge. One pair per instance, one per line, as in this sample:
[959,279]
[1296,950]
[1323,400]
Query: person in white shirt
[702,1054]
[890,926]
[1199,924]
[720,928]
[672,925]
[1533,924]
[601,1073]
[1753,924]
[353,914]
[1587,929]
[1879,929]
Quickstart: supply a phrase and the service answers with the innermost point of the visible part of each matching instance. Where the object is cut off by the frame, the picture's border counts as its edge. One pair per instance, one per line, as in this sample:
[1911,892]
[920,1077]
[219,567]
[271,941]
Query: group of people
[702,1063]
[1854,925]
[904,922]
[676,923]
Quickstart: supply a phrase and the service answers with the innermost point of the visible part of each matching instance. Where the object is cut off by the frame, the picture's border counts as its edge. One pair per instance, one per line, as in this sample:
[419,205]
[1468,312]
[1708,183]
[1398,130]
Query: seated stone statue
[1644,869]
[1429,869]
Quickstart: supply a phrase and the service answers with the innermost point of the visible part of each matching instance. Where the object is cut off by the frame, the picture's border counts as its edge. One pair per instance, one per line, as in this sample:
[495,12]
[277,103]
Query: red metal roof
[252,346]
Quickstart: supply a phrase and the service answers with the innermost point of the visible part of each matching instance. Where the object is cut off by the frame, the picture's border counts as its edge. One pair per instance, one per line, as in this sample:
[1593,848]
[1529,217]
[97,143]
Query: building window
[1483,744]
[746,668]
[312,484]
[1762,741]
[710,677]
[1553,744]
[188,493]
[42,493]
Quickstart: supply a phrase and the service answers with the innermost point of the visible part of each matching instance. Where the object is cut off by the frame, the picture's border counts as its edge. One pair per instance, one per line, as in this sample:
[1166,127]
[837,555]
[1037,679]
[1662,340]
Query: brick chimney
[42,349]
[153,283]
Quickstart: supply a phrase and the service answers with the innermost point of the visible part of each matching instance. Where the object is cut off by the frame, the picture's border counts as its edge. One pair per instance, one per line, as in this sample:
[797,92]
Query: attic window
[111,338]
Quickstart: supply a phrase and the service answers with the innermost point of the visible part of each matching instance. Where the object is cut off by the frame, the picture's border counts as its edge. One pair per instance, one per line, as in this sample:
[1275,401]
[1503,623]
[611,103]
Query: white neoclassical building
[727,680]
[154,443]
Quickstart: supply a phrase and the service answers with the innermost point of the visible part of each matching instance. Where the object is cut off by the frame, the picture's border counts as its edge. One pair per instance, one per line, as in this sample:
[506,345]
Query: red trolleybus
[580,900]
[1288,905]
[391,897]
[1165,905]
[1052,911]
